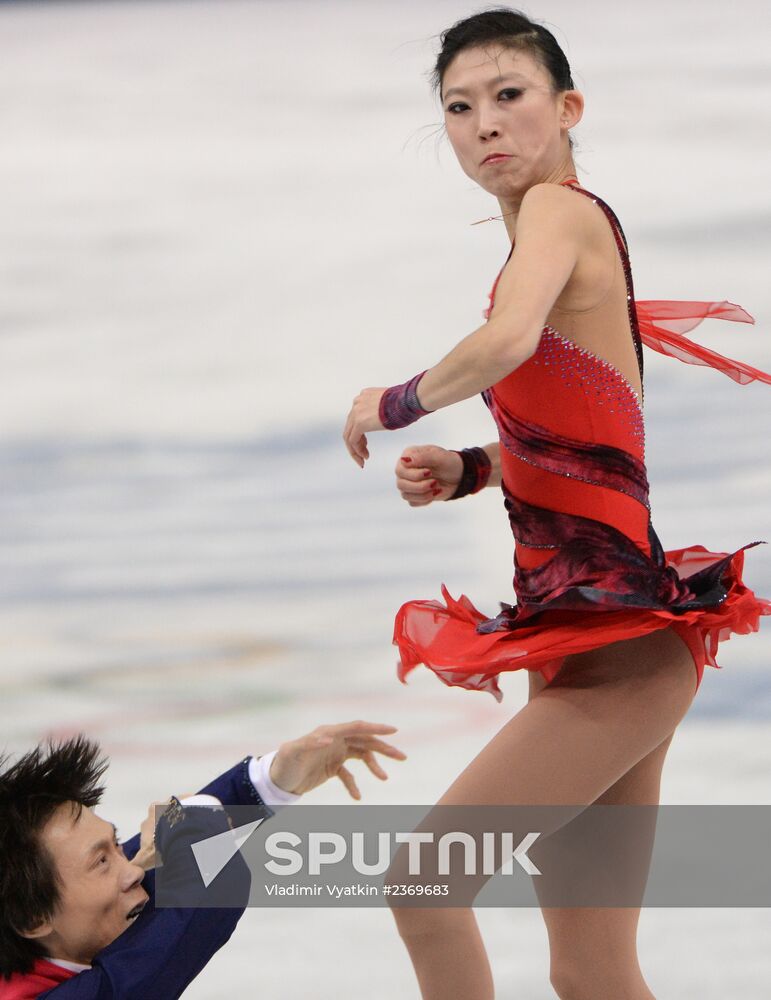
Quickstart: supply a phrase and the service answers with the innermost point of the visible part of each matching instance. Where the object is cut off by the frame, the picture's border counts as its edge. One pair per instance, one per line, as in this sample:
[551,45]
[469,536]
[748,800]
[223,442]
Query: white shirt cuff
[201,800]
[259,775]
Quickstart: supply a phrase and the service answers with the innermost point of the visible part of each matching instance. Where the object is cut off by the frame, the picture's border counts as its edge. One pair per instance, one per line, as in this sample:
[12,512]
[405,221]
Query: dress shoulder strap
[660,323]
[623,250]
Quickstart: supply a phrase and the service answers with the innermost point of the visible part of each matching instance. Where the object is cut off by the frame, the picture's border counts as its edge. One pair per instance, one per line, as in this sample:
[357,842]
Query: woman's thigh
[577,935]
[603,936]
[576,738]
[603,713]
[604,939]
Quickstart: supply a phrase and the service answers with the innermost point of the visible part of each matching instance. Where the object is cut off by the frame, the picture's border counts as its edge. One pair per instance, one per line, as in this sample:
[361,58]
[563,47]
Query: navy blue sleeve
[233,788]
[159,955]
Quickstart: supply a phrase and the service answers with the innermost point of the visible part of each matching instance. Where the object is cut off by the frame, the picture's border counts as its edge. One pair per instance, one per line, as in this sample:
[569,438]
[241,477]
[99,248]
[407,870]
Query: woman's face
[499,100]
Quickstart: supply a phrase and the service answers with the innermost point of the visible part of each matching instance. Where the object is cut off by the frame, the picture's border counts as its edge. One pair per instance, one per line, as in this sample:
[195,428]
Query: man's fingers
[370,743]
[360,728]
[356,733]
[161,804]
[372,764]
[145,857]
[349,781]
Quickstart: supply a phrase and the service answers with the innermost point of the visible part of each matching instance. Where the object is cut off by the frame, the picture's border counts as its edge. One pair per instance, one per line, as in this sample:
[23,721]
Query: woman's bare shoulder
[558,210]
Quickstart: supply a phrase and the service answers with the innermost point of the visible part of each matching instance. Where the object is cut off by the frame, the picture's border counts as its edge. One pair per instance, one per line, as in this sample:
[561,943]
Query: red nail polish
[407,460]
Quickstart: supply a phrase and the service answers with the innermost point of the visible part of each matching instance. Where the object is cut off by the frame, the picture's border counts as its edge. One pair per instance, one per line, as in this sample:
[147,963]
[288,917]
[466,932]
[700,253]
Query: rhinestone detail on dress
[623,251]
[577,366]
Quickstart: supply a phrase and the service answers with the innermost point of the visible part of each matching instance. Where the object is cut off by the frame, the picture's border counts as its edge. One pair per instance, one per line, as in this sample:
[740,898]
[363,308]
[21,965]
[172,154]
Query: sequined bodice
[572,436]
[566,369]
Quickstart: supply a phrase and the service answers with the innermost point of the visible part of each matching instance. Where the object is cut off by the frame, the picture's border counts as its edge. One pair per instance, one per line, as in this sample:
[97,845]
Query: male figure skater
[77,914]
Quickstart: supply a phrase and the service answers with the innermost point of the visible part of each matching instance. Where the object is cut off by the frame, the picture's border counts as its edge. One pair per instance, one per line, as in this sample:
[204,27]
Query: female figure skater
[614,631]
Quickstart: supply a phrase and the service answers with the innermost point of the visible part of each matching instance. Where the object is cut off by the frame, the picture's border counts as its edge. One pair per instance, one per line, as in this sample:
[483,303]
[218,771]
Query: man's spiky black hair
[31,790]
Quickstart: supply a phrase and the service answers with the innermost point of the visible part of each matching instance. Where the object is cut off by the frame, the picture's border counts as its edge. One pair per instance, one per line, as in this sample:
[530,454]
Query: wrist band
[399,405]
[476,472]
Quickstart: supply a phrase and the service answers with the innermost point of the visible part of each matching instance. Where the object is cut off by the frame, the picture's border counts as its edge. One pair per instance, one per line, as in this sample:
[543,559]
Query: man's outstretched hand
[306,763]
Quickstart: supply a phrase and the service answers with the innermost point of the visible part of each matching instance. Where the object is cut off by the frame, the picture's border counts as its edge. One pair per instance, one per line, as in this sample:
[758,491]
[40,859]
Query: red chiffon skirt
[443,636]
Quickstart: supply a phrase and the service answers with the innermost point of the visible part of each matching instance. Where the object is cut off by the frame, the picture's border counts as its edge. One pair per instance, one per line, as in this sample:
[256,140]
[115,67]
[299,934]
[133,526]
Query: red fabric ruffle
[444,636]
[662,323]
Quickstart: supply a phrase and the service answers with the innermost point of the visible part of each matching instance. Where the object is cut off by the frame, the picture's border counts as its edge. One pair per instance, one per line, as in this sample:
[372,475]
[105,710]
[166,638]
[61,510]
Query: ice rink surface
[220,220]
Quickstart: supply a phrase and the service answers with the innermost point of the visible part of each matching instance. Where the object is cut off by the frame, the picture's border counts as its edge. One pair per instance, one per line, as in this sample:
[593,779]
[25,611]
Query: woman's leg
[604,712]
[593,951]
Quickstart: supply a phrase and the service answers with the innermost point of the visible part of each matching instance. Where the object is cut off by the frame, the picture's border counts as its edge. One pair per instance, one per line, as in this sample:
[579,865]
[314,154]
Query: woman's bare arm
[494,454]
[546,252]
[550,232]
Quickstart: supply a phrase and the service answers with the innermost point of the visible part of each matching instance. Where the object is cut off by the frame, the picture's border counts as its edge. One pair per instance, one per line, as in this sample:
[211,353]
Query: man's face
[101,891]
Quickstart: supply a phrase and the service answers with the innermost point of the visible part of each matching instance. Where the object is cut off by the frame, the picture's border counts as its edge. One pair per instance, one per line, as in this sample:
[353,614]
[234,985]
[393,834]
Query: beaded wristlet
[399,405]
[476,472]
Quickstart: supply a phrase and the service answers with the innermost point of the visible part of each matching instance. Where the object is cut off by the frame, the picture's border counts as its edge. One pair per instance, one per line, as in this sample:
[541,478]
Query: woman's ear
[572,108]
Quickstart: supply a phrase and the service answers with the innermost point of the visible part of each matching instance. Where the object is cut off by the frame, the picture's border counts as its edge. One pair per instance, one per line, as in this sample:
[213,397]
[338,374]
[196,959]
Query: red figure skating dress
[589,569]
